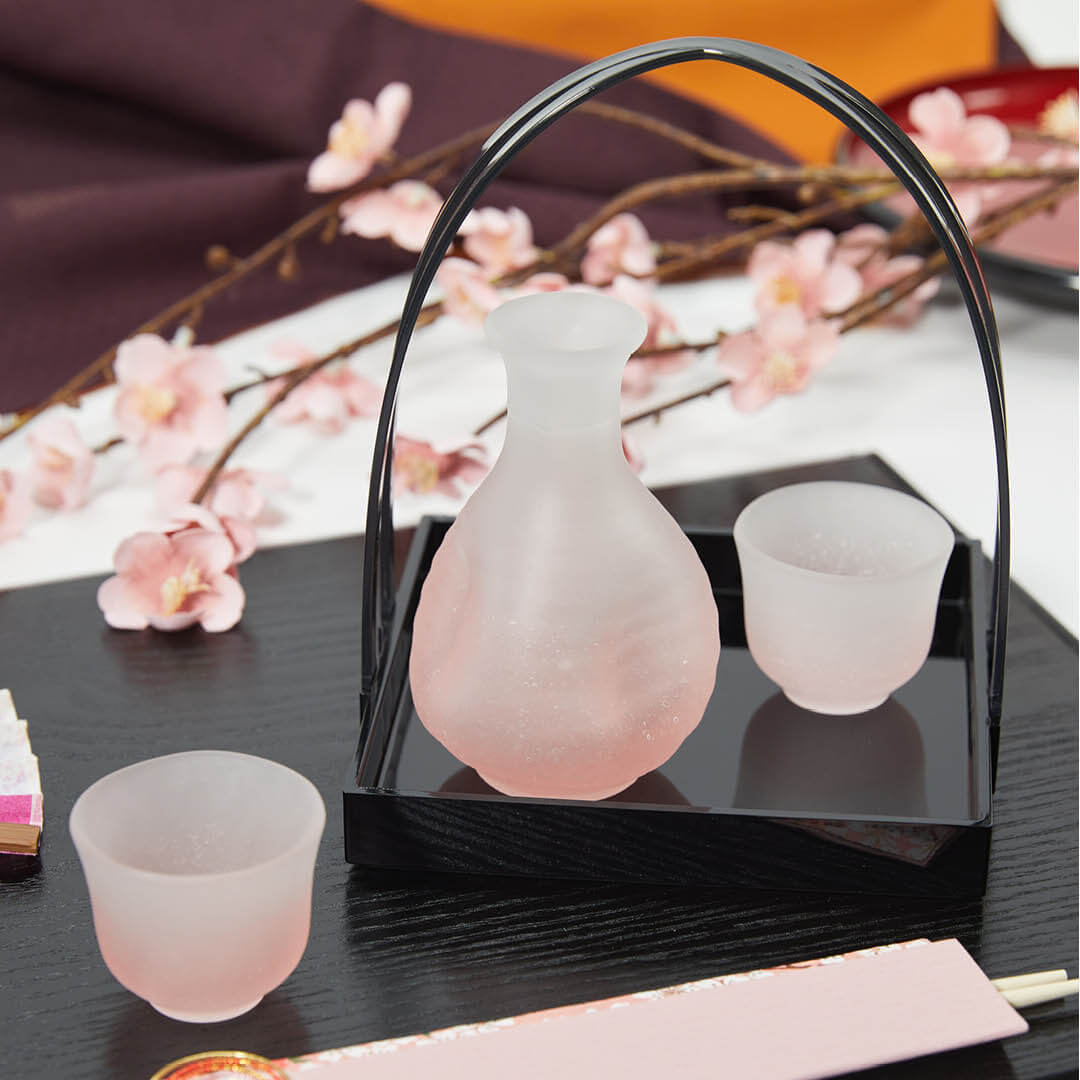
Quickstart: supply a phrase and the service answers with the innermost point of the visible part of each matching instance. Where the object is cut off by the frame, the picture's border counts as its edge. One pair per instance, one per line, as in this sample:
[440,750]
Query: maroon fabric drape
[134,135]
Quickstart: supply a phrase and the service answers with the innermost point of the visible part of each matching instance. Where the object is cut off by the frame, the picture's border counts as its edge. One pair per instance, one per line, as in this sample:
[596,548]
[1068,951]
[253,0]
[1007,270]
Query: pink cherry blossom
[62,466]
[239,531]
[949,137]
[171,581]
[237,493]
[499,240]
[467,293]
[405,212]
[639,373]
[170,402]
[329,398]
[622,246]
[777,356]
[15,504]
[865,248]
[804,274]
[544,282]
[364,134]
[420,468]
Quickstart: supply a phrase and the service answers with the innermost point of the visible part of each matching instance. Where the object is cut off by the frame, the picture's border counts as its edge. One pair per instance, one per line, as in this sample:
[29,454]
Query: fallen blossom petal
[62,464]
[15,504]
[622,245]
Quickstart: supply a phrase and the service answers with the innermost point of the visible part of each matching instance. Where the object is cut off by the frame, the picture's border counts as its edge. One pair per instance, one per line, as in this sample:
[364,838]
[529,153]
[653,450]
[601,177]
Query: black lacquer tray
[762,794]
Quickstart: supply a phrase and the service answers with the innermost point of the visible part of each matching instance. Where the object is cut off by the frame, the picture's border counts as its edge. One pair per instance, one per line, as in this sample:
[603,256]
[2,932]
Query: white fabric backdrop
[914,396]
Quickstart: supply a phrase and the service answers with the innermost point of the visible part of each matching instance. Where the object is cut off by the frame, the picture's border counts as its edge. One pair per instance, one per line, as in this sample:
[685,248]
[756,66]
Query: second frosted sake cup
[840,590]
[200,867]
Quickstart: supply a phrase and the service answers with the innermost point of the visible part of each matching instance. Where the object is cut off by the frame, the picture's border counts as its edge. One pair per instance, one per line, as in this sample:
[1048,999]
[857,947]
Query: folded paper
[811,1019]
[21,805]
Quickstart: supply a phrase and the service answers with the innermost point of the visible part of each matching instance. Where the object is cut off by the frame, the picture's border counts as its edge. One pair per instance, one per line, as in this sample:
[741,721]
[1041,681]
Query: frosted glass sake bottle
[566,637]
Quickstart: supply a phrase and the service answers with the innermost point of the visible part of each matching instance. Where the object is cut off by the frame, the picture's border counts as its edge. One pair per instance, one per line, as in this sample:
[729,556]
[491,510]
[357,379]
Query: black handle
[860,115]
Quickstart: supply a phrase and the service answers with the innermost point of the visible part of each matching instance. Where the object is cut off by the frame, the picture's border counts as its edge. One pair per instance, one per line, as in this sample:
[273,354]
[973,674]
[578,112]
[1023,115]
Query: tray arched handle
[845,103]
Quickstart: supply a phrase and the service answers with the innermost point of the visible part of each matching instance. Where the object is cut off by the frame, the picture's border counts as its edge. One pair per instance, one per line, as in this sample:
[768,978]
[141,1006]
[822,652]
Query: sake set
[546,692]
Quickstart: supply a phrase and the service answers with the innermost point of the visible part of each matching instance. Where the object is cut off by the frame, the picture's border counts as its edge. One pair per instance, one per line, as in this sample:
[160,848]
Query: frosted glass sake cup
[200,868]
[840,589]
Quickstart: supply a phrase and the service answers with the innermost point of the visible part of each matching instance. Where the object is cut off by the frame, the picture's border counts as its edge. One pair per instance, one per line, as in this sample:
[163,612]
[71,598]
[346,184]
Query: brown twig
[710,252]
[298,375]
[241,268]
[682,399]
[681,136]
[994,225]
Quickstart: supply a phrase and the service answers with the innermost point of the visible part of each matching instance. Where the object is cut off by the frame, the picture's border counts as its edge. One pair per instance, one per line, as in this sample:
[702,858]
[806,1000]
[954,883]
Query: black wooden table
[392,953]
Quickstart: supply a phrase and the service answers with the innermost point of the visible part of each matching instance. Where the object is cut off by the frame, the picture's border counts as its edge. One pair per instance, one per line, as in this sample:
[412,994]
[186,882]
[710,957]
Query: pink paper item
[20,784]
[797,1022]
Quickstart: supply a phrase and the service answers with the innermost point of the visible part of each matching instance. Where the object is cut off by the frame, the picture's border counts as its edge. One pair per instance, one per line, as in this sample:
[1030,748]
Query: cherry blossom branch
[993,226]
[656,410]
[781,223]
[237,269]
[292,380]
[881,301]
[764,174]
[681,136]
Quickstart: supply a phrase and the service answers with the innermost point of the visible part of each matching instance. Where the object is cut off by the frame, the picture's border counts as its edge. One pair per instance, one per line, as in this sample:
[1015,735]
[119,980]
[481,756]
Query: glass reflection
[866,763]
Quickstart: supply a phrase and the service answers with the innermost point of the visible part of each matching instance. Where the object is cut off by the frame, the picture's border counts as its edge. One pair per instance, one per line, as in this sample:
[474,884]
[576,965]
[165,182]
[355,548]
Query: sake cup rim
[942,544]
[82,836]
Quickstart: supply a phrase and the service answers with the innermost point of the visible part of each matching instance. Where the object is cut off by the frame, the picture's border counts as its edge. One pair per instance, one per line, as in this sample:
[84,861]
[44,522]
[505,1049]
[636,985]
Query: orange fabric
[879,46]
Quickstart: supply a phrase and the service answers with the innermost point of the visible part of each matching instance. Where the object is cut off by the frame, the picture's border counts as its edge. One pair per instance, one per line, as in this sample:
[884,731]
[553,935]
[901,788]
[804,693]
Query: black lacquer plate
[761,794]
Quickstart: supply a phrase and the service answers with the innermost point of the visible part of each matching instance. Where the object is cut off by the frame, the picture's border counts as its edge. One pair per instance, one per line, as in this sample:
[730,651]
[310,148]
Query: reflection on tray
[866,763]
[654,787]
[871,762]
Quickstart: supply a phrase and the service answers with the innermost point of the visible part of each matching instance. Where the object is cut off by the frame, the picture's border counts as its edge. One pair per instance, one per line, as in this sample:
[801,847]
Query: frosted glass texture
[566,637]
[200,867]
[840,589]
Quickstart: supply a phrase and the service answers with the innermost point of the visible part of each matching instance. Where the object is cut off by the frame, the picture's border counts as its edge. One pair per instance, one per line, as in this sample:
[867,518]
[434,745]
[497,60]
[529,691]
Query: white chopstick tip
[1032,978]
[1024,996]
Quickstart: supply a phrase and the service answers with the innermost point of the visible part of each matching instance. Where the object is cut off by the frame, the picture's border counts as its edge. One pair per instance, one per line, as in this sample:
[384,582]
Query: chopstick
[1036,987]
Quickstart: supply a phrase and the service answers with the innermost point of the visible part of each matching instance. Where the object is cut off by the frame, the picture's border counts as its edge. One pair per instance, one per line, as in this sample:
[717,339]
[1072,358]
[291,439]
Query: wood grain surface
[394,953]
